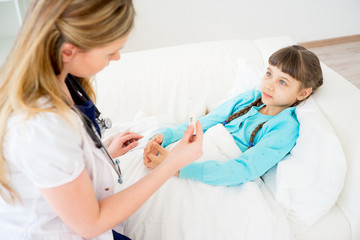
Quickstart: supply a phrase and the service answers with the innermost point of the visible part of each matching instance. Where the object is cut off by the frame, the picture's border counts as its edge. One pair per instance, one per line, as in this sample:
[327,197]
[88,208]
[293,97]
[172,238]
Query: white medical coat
[42,152]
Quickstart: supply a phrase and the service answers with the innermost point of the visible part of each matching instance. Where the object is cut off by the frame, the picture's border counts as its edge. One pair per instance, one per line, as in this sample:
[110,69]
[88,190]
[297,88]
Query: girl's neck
[269,110]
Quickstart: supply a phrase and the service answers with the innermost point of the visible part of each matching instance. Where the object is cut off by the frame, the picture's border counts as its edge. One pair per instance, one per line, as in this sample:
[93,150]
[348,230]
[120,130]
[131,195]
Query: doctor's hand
[123,143]
[186,151]
[150,147]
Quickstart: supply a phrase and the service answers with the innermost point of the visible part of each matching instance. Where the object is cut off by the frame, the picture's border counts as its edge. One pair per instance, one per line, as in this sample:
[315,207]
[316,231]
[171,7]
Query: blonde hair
[30,71]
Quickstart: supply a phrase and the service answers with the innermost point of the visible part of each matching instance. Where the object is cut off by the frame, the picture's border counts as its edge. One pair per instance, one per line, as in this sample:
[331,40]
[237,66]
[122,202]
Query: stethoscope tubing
[81,95]
[90,129]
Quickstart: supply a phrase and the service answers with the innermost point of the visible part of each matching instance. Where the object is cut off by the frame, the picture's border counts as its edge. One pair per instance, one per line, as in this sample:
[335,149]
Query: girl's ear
[68,52]
[304,93]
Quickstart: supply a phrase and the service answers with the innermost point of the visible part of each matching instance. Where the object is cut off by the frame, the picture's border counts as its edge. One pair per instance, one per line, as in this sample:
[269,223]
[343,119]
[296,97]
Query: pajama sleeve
[218,115]
[275,142]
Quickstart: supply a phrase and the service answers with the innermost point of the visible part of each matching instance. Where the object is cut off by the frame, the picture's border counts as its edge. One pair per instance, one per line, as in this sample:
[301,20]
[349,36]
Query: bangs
[290,61]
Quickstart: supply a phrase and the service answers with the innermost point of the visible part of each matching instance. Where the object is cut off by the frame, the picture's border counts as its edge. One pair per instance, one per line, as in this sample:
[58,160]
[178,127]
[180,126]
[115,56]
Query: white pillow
[248,76]
[309,180]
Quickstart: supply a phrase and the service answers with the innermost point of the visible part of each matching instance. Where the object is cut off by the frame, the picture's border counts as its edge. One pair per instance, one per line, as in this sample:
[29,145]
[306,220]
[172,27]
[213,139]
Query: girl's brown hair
[299,63]
[30,71]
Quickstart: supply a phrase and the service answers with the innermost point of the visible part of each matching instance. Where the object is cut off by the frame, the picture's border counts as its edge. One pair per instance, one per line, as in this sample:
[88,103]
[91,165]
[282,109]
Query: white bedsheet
[187,209]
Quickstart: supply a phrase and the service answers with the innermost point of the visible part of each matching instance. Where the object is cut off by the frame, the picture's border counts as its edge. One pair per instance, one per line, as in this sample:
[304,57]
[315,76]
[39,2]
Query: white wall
[10,21]
[161,23]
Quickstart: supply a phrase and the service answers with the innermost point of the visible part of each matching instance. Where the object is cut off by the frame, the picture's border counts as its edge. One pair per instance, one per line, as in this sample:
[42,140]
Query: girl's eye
[268,74]
[282,82]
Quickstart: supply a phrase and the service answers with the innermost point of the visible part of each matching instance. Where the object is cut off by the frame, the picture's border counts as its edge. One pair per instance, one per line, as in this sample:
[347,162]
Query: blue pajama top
[271,143]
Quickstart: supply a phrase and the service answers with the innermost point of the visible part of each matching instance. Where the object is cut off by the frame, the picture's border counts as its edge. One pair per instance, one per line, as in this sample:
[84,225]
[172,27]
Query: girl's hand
[122,143]
[186,151]
[150,148]
[156,156]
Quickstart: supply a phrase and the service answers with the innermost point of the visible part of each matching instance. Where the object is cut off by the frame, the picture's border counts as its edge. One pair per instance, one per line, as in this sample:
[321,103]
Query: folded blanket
[218,144]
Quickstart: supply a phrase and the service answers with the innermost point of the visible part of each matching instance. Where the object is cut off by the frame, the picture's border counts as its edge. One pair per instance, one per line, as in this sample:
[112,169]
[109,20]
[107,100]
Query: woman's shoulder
[49,121]
[45,139]
[42,116]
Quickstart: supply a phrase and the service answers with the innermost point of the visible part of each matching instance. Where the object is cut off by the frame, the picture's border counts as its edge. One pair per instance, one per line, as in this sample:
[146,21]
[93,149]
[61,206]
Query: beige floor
[342,57]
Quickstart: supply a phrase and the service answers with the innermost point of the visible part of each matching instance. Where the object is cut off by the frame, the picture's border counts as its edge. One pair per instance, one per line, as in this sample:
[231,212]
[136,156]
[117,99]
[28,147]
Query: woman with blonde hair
[56,177]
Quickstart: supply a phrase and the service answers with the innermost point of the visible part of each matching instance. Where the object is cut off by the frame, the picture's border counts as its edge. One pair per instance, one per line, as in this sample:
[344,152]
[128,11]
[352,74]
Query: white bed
[312,194]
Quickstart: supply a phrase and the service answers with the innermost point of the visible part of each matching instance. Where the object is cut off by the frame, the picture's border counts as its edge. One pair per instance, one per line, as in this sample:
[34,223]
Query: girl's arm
[272,147]
[76,204]
[218,115]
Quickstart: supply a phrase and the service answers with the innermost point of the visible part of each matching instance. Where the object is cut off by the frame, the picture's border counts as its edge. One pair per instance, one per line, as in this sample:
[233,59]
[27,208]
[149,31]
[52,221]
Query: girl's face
[88,63]
[279,90]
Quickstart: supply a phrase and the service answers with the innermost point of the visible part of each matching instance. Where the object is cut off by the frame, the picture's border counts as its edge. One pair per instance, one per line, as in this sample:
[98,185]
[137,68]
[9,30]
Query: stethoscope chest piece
[120,180]
[117,163]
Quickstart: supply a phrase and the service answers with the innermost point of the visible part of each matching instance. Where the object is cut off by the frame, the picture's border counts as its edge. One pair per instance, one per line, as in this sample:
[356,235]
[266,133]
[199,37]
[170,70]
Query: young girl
[55,181]
[263,123]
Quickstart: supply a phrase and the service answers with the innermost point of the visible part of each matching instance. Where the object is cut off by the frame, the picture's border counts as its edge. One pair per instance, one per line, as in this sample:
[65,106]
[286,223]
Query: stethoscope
[80,96]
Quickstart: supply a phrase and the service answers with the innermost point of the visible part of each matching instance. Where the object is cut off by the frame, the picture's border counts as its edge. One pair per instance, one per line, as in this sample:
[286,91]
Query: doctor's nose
[115,57]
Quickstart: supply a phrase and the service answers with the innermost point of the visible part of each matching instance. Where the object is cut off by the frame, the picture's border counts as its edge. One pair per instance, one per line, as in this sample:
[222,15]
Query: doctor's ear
[68,52]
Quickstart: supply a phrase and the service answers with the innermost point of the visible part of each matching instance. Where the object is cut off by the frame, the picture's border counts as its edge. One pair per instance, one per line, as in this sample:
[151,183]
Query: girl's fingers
[146,160]
[151,165]
[147,148]
[153,150]
[160,149]
[153,157]
[158,138]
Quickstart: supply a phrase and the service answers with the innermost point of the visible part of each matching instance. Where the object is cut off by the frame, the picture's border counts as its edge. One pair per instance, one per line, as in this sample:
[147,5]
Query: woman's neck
[62,77]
